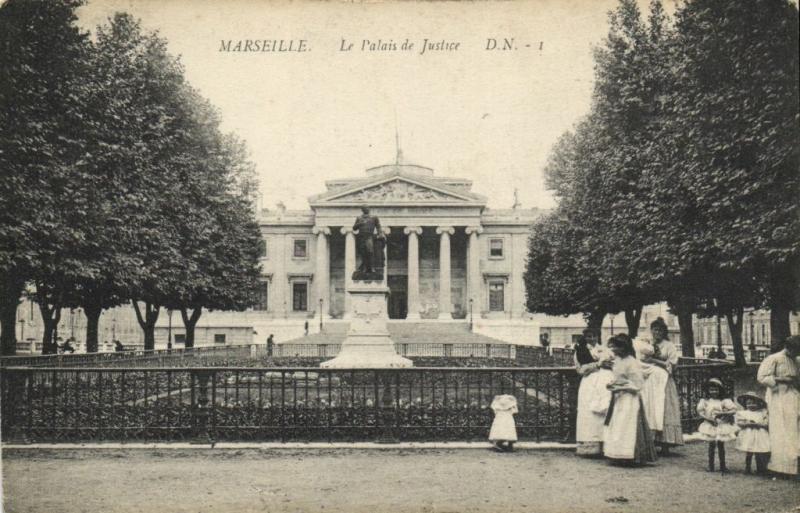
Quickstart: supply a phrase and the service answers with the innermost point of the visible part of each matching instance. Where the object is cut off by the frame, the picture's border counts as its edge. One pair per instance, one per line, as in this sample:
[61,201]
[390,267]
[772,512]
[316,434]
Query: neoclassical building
[448,255]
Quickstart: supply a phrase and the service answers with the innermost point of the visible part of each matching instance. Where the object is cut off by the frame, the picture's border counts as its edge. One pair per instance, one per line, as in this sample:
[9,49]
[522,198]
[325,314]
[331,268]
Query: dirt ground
[381,481]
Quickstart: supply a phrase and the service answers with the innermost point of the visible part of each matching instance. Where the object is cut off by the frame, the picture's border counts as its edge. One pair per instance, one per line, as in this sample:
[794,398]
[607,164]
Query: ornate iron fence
[297,404]
[134,357]
[59,404]
[534,356]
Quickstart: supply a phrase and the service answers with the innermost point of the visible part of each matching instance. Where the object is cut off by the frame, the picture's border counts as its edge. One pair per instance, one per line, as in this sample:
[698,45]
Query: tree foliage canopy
[681,184]
[120,185]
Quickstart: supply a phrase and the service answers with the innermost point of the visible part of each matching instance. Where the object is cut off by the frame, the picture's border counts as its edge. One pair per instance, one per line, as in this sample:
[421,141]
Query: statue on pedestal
[370,243]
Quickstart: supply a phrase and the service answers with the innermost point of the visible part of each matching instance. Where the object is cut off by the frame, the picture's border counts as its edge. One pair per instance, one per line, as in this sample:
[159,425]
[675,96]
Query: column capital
[408,230]
[325,230]
[344,230]
[445,229]
[477,230]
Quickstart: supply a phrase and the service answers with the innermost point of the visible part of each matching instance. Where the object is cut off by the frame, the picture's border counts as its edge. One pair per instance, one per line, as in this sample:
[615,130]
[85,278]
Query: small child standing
[718,426]
[753,435]
[503,428]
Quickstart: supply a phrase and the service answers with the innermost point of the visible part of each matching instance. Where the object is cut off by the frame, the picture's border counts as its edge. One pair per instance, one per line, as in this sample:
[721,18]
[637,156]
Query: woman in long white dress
[661,398]
[779,373]
[593,363]
[627,437]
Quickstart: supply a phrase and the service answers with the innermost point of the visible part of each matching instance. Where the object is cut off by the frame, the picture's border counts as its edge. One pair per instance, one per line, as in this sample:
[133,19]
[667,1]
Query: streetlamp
[612,324]
[169,329]
[321,301]
[72,323]
[22,329]
[470,314]
[752,331]
[720,354]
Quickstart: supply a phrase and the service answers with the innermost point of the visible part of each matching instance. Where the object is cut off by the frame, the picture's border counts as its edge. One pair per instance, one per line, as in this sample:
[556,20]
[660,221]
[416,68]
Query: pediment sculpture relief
[397,190]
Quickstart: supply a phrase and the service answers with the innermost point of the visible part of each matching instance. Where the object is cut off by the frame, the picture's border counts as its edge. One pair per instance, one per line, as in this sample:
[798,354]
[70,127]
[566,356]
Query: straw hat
[752,396]
[715,382]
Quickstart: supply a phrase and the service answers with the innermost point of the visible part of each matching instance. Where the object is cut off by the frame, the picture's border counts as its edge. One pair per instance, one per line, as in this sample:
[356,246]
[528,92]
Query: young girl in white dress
[504,432]
[718,426]
[753,438]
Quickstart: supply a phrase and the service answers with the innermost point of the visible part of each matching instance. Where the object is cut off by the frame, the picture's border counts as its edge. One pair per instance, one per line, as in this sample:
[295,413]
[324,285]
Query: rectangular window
[263,297]
[180,338]
[496,248]
[219,338]
[262,248]
[496,296]
[300,248]
[300,297]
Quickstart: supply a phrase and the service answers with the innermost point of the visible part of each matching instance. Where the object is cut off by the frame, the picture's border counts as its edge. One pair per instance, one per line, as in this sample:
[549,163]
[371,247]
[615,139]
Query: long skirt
[626,435]
[593,401]
[784,429]
[653,396]
[671,432]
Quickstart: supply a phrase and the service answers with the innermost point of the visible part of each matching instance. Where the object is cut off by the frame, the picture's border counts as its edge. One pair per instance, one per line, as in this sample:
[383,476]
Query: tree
[216,230]
[42,93]
[733,116]
[140,88]
[595,170]
[557,278]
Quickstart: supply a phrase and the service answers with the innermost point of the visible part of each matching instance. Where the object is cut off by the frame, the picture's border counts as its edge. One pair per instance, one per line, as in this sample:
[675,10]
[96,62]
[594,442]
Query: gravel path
[352,481]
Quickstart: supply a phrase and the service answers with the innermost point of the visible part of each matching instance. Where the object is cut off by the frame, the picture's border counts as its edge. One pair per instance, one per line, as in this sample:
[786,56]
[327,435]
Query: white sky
[488,116]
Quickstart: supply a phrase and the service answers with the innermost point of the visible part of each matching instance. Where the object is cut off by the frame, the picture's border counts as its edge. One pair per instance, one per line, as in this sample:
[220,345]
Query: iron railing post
[200,406]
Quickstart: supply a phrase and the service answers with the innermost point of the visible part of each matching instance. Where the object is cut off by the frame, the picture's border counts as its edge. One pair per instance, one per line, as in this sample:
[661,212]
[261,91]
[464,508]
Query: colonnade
[413,233]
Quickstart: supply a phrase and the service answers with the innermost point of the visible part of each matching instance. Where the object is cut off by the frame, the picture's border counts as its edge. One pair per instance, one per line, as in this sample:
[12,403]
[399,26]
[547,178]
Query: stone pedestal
[368,344]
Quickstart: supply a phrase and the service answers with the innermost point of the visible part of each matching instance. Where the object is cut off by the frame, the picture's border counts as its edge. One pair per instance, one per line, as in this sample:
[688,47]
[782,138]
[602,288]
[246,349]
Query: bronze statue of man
[369,241]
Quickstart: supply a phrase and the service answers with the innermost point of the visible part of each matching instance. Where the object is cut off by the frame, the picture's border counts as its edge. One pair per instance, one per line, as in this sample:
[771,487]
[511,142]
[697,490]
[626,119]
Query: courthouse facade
[448,255]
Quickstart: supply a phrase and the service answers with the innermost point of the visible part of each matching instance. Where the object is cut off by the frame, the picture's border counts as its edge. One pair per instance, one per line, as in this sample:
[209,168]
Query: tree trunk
[189,322]
[632,318]
[784,296]
[51,316]
[779,329]
[147,322]
[92,312]
[594,322]
[684,307]
[10,292]
[8,326]
[735,319]
[687,333]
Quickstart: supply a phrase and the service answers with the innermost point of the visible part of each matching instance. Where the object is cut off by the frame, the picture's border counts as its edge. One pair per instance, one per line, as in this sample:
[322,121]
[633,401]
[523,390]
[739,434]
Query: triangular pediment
[398,189]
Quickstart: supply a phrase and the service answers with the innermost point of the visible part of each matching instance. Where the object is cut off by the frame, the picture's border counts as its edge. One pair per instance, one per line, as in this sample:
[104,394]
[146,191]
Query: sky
[489,115]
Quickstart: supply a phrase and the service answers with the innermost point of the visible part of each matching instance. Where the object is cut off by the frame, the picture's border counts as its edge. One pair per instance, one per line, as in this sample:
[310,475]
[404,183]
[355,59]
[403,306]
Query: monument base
[368,344]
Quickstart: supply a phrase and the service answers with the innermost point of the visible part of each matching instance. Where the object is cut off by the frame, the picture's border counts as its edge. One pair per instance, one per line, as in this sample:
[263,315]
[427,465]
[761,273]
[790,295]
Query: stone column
[474,269]
[386,230]
[414,305]
[445,304]
[322,270]
[349,266]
